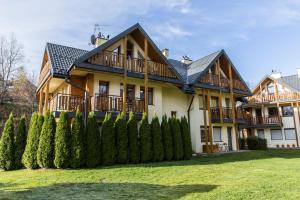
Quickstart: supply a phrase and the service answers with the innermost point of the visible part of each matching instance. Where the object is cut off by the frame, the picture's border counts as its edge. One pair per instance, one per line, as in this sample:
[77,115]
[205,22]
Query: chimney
[165,52]
[186,60]
[101,39]
[275,74]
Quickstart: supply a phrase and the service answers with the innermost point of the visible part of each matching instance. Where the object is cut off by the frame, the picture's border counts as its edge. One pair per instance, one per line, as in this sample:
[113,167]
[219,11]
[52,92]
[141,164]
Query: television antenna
[98,32]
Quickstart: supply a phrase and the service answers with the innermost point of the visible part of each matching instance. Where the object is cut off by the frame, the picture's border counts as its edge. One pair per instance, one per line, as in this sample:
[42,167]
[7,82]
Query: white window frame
[285,133]
[279,130]
[214,134]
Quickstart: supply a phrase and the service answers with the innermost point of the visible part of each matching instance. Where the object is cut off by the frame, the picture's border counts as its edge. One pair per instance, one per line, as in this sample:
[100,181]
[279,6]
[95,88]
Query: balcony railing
[287,96]
[113,103]
[216,113]
[116,60]
[264,121]
[66,102]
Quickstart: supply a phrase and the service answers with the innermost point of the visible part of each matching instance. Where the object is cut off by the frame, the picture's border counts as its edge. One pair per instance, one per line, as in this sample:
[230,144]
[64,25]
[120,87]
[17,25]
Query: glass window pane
[276,134]
[290,134]
[201,106]
[261,133]
[217,134]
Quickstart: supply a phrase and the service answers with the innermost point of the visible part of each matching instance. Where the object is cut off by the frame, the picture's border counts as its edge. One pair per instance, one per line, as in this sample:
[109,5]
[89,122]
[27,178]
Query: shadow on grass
[107,191]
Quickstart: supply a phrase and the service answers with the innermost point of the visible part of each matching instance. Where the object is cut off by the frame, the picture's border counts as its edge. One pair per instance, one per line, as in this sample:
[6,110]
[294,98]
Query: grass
[272,174]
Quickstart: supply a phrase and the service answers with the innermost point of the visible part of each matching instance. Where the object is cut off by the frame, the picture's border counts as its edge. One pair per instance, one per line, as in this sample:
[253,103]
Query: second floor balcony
[269,98]
[219,114]
[263,121]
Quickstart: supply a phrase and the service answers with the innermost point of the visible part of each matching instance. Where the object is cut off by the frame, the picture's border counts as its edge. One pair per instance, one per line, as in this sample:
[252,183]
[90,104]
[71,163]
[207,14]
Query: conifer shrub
[186,138]
[62,142]
[78,142]
[133,140]
[145,140]
[20,142]
[121,138]
[167,138]
[157,145]
[108,140]
[45,153]
[177,139]
[93,149]
[29,158]
[7,146]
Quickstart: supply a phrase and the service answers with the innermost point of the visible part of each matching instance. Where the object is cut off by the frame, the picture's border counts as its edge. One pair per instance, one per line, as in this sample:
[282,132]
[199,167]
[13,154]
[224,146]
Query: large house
[273,111]
[129,73]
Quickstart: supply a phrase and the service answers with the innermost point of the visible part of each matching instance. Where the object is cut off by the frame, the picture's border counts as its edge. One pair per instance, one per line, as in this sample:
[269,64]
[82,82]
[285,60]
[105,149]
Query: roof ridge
[207,56]
[66,46]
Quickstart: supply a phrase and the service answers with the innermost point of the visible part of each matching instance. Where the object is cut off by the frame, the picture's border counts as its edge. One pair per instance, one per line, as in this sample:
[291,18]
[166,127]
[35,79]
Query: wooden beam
[296,132]
[146,73]
[209,120]
[89,86]
[205,119]
[46,97]
[220,92]
[233,107]
[125,75]
[41,101]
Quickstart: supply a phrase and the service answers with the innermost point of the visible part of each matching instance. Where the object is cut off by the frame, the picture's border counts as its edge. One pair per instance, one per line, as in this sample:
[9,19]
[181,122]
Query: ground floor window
[217,134]
[202,132]
[276,134]
[261,133]
[290,134]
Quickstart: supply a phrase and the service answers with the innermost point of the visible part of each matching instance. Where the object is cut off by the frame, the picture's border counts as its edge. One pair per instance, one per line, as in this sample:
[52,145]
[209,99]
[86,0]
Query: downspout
[85,101]
[188,111]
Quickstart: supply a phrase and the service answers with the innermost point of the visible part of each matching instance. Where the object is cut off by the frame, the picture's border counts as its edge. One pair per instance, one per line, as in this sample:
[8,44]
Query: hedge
[108,139]
[121,139]
[167,138]
[157,146]
[186,138]
[20,142]
[177,139]
[255,143]
[133,140]
[145,140]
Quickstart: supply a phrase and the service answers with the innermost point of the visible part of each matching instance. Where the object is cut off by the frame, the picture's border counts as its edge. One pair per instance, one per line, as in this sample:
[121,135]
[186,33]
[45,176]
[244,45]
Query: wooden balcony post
[209,120]
[205,120]
[46,97]
[41,101]
[125,76]
[233,108]
[220,94]
[296,133]
[146,74]
[89,86]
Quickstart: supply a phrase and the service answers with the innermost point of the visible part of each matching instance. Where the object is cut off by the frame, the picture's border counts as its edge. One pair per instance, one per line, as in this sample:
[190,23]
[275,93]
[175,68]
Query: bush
[29,158]
[121,139]
[133,141]
[78,141]
[20,142]
[108,140]
[157,146]
[7,147]
[167,139]
[45,153]
[242,143]
[93,149]
[255,143]
[145,140]
[177,139]
[62,142]
[186,138]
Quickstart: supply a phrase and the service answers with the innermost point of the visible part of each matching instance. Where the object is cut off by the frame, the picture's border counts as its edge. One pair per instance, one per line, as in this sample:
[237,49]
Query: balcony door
[130,95]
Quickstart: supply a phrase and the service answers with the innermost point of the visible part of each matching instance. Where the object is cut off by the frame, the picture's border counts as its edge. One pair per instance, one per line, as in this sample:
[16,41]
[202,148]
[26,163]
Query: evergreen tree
[108,146]
[167,138]
[45,153]
[93,149]
[62,142]
[78,141]
[133,140]
[158,151]
[20,142]
[121,139]
[7,146]
[177,140]
[145,140]
[29,158]
[186,138]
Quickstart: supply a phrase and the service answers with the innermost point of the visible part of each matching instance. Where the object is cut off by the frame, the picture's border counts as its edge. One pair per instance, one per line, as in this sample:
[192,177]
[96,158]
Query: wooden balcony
[115,60]
[213,79]
[264,122]
[216,114]
[44,72]
[113,103]
[287,96]
[66,102]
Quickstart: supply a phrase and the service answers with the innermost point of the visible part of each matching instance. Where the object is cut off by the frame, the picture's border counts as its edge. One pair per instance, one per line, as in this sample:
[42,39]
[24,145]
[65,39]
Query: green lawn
[273,174]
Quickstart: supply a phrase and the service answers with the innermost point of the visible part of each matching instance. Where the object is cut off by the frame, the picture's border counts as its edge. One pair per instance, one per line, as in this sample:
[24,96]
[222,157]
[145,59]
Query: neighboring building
[111,78]
[273,111]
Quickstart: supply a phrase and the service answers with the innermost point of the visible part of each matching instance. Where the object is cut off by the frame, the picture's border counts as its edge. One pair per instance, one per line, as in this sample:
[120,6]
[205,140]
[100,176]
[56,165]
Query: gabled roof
[61,57]
[117,38]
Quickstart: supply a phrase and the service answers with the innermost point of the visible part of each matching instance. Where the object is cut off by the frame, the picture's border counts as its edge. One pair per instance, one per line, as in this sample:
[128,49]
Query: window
[270,88]
[276,134]
[273,111]
[217,134]
[287,111]
[130,91]
[150,95]
[261,133]
[202,132]
[290,134]
[117,50]
[227,102]
[103,88]
[173,113]
[214,102]
[201,105]
[140,55]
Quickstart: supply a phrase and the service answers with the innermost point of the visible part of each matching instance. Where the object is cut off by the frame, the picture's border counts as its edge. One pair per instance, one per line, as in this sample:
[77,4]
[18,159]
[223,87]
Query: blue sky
[258,35]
